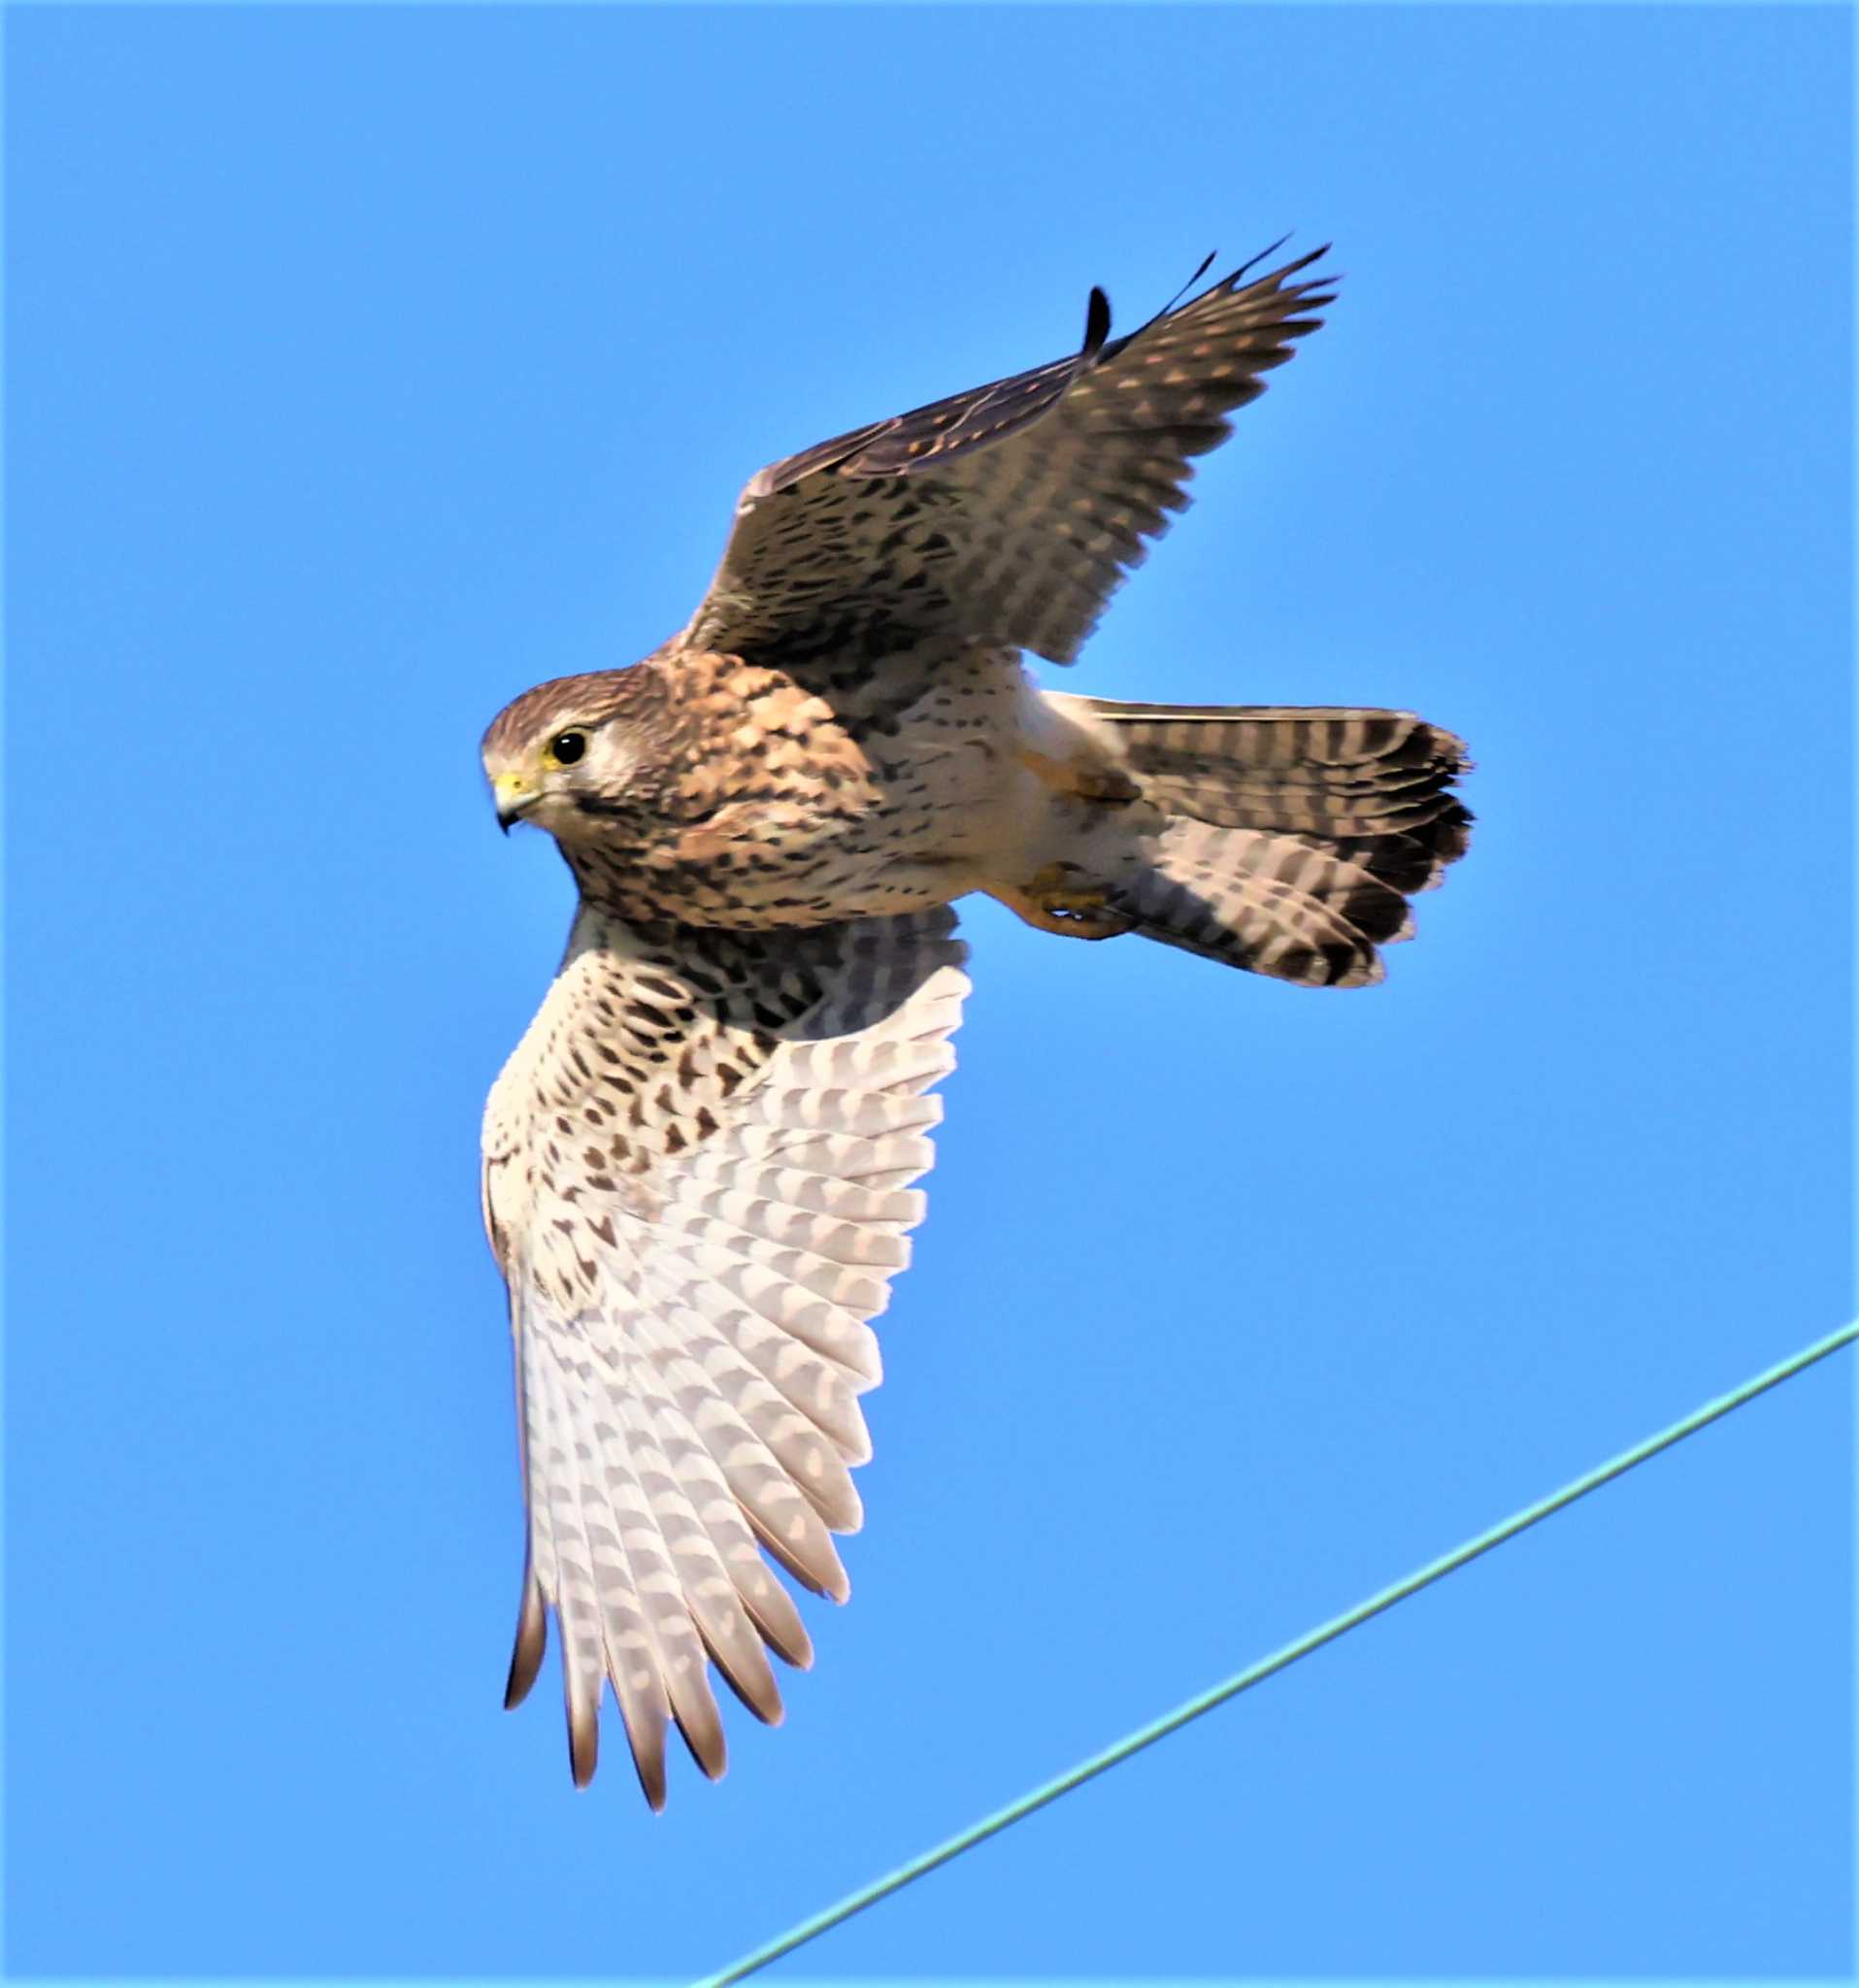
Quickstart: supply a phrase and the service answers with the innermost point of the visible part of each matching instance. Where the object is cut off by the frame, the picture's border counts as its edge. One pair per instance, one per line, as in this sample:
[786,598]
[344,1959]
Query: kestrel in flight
[698,1161]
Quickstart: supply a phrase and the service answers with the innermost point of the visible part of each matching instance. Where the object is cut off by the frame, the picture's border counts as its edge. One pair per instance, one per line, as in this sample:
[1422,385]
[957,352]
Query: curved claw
[1064,899]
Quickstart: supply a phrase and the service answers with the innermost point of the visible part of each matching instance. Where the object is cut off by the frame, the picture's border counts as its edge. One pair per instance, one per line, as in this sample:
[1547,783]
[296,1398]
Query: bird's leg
[1064,899]
[1087,780]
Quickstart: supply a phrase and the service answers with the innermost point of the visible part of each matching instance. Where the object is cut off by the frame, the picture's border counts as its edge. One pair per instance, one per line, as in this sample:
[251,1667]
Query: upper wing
[697,1170]
[1008,513]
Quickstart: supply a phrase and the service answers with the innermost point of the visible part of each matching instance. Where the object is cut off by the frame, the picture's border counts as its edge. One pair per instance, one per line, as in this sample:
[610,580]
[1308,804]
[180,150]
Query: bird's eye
[565,748]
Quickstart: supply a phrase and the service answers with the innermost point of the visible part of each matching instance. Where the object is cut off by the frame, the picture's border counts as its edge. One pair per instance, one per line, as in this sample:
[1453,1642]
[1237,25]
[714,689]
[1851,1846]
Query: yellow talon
[1062,898]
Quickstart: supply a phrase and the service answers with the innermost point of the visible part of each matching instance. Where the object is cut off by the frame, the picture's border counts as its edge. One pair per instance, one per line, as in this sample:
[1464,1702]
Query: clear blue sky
[366,367]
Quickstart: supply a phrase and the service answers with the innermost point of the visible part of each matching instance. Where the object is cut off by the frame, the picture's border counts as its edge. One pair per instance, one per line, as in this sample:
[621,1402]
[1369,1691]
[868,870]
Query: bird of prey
[698,1163]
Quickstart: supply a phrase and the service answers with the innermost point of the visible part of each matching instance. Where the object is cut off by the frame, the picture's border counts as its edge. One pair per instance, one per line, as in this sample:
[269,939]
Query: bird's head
[569,754]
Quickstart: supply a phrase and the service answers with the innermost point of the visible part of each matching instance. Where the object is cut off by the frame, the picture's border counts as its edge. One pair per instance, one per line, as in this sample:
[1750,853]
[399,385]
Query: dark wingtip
[583,1748]
[1321,280]
[532,1639]
[1097,323]
[1253,262]
[706,1746]
[1206,263]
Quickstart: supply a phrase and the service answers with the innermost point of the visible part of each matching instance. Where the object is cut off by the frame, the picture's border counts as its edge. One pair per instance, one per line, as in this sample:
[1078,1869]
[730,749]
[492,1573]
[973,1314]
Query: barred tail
[1294,838]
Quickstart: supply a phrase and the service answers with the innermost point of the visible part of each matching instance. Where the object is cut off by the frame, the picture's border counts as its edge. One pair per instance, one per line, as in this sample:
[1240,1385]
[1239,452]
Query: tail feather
[1276,905]
[1294,836]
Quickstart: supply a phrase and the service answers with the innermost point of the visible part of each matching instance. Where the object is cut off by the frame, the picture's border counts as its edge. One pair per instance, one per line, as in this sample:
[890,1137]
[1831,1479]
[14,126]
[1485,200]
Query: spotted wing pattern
[697,1171]
[1009,513]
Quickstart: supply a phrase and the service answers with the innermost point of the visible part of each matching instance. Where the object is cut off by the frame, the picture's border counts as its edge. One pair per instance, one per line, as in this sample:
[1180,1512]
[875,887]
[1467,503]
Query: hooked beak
[513,794]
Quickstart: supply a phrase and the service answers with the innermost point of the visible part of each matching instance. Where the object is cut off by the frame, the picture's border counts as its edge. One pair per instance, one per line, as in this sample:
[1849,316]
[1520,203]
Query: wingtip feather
[532,1639]
[1097,323]
[583,1744]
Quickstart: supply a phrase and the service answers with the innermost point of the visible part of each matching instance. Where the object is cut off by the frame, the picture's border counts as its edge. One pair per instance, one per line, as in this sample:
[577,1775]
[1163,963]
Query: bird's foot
[1064,899]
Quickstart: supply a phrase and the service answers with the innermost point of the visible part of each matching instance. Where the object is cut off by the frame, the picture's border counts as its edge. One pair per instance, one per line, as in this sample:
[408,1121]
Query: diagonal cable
[1278,1660]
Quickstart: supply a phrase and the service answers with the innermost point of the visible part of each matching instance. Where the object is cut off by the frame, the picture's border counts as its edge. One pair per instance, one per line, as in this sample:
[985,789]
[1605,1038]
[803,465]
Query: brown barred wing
[1009,513]
[697,1181]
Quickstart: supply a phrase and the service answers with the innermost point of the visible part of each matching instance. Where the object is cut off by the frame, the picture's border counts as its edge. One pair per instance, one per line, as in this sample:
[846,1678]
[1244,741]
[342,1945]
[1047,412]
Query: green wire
[1338,1625]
